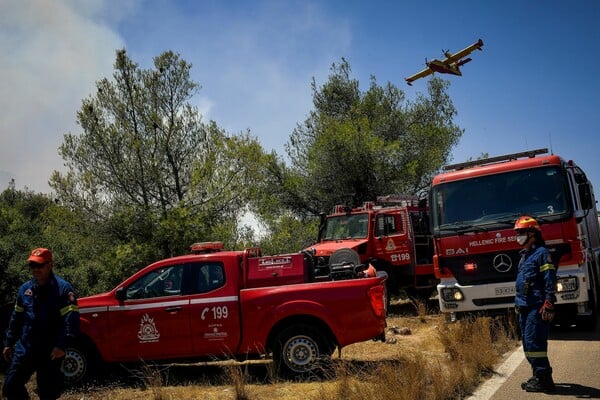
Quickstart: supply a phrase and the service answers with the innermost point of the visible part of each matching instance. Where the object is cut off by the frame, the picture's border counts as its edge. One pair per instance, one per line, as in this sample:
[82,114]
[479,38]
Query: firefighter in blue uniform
[534,302]
[45,319]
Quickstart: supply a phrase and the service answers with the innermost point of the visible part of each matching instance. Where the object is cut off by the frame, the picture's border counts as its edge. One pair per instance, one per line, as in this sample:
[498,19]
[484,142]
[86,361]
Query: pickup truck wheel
[300,350]
[78,364]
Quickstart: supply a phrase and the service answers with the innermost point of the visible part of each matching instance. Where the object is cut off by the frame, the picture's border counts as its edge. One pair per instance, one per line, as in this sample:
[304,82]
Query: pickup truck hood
[326,248]
[97,300]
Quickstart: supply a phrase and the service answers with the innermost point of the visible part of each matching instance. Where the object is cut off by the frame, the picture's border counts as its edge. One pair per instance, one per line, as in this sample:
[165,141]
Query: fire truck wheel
[302,350]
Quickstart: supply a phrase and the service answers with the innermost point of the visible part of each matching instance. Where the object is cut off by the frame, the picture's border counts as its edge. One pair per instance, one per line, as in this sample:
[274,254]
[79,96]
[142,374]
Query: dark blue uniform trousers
[534,333]
[24,363]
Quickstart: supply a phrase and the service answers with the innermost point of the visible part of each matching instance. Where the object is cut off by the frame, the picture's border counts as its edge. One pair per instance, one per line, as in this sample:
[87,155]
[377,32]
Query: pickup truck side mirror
[121,294]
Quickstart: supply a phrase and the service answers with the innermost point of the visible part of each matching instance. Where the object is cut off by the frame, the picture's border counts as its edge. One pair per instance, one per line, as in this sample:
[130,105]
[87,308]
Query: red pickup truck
[215,304]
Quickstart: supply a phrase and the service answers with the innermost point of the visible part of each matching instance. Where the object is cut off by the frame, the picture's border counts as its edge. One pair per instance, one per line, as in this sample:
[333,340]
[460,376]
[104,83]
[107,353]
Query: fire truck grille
[478,269]
[487,268]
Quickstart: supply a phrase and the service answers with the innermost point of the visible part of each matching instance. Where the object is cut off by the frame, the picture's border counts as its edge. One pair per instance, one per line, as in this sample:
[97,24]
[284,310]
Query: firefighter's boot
[527,382]
[541,382]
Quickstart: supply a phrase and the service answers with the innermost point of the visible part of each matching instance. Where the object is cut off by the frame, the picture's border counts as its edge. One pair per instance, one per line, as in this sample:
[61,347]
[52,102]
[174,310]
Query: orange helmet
[527,222]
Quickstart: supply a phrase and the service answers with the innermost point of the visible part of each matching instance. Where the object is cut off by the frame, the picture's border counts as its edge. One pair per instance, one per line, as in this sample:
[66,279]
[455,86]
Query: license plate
[505,291]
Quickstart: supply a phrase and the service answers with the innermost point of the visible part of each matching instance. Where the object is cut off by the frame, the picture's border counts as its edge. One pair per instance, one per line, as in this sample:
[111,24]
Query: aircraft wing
[464,52]
[412,78]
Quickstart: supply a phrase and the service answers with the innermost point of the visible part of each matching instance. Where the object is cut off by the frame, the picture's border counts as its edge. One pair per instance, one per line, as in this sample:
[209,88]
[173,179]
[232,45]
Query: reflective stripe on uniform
[18,308]
[546,267]
[536,354]
[65,310]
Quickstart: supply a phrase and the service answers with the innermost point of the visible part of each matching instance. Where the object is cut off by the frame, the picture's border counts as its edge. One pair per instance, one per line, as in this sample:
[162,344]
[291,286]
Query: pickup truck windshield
[477,203]
[160,282]
[351,226]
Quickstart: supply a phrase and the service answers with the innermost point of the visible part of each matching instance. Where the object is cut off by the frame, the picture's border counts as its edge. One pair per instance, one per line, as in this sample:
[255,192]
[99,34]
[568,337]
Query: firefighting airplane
[449,65]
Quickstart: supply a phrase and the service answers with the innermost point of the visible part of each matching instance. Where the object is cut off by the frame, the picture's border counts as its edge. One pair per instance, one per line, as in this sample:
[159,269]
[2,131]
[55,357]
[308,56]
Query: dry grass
[424,358]
[239,378]
[440,362]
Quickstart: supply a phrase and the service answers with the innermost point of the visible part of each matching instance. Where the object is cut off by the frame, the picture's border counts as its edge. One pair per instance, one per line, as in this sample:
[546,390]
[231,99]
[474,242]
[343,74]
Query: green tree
[82,253]
[22,223]
[148,171]
[356,145]
[29,220]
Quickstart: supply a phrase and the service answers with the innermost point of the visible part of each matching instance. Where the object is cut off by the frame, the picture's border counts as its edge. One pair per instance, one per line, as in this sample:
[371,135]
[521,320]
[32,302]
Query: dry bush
[152,378]
[475,346]
[239,380]
[470,343]
[414,377]
[421,308]
[472,349]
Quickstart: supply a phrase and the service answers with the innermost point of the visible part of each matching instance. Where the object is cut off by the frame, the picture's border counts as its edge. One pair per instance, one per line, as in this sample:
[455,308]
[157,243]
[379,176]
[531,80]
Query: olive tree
[148,170]
[357,144]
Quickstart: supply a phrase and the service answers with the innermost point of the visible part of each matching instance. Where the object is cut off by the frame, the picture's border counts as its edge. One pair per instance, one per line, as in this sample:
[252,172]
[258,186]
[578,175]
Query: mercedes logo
[502,262]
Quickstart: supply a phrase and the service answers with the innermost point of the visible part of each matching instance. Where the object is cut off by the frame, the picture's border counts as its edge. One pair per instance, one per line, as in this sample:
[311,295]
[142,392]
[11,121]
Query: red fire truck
[215,304]
[474,206]
[391,234]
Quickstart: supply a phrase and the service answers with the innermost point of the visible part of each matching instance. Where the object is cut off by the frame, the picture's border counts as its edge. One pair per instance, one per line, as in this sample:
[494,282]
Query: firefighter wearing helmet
[534,302]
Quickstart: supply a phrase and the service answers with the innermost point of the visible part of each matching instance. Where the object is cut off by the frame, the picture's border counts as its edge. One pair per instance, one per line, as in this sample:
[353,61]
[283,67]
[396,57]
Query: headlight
[452,294]
[567,284]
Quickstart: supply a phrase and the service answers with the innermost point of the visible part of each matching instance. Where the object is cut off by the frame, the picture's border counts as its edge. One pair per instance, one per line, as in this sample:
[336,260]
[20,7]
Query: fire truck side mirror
[322,225]
[585,196]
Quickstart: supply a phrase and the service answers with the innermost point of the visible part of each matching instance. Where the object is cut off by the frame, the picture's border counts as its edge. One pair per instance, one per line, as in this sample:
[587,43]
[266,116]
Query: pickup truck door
[153,321]
[214,303]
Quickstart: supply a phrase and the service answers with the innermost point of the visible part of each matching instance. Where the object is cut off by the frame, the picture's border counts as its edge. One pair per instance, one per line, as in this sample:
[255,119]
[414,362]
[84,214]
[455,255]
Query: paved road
[575,359]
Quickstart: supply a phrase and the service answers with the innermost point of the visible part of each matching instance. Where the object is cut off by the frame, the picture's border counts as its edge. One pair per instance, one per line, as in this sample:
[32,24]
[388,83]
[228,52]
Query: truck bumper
[572,288]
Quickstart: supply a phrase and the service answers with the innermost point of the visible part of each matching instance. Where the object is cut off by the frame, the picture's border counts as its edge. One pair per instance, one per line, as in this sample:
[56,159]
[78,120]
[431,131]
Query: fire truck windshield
[472,203]
[350,226]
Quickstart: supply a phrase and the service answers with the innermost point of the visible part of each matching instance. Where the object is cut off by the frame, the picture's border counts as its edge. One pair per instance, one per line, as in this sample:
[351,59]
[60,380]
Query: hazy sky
[534,84]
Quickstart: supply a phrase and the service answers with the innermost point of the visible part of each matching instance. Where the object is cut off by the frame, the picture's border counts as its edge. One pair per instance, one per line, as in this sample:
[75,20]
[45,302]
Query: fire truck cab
[391,234]
[474,206]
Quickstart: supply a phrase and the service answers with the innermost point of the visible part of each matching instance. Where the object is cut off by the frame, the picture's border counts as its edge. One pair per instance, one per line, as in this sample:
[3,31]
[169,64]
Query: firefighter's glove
[547,311]
[7,353]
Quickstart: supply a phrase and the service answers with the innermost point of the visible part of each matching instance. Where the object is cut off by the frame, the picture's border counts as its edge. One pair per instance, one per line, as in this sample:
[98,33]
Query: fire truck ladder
[492,160]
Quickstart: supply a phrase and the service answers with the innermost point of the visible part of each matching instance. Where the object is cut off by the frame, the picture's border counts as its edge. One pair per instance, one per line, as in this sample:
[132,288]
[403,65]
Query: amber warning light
[206,247]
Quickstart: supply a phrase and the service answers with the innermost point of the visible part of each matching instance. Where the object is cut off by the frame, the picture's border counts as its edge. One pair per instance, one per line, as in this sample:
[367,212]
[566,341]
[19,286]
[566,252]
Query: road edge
[488,388]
